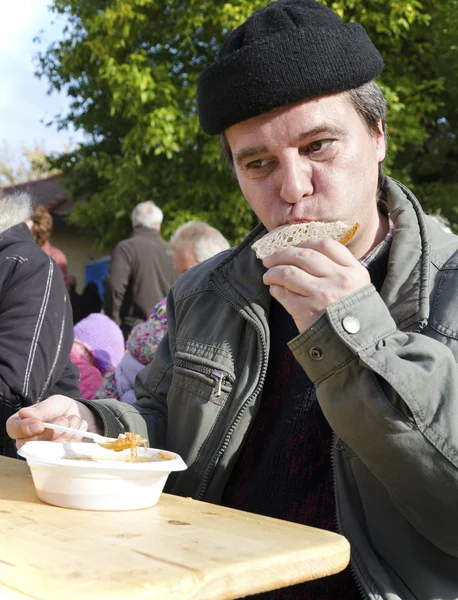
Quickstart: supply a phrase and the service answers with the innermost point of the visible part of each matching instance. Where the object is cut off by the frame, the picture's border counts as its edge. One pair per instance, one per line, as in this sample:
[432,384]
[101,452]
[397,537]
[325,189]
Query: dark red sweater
[284,470]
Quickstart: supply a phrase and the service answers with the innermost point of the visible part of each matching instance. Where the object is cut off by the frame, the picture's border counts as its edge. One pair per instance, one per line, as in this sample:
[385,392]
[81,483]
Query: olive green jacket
[389,391]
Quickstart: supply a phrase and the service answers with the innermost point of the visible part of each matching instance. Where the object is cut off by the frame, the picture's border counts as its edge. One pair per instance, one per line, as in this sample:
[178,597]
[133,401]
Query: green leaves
[131,69]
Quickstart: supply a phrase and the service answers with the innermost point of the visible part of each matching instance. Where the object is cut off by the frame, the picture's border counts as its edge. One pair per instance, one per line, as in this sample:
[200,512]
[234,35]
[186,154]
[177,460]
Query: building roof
[49,192]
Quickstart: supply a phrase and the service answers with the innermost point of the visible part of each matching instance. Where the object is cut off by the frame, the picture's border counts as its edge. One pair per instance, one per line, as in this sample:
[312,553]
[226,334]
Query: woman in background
[40,224]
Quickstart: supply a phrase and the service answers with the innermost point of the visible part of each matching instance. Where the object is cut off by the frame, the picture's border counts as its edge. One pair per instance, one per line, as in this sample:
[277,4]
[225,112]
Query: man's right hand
[27,424]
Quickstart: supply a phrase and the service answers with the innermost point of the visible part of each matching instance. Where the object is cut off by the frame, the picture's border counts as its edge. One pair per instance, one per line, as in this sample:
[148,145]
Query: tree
[29,164]
[131,69]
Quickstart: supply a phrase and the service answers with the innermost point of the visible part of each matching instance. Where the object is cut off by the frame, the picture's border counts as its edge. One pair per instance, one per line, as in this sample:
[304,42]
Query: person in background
[36,330]
[320,384]
[92,302]
[87,302]
[76,300]
[141,270]
[40,224]
[191,243]
[98,347]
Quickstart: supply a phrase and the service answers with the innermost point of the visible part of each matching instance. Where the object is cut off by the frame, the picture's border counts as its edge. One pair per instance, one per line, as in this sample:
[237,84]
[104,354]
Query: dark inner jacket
[141,273]
[36,329]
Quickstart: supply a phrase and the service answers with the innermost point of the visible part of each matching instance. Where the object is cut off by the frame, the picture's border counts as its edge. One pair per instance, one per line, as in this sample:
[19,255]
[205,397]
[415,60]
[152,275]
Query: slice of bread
[292,235]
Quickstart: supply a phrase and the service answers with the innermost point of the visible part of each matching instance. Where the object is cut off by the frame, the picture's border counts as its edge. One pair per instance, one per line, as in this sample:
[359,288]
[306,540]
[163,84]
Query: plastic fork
[105,442]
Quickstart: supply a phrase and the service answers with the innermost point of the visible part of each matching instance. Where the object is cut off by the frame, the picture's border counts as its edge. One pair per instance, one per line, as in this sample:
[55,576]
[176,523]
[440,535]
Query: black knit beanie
[291,50]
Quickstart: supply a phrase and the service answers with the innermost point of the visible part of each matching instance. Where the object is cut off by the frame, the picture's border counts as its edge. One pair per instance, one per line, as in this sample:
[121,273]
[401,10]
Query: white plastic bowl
[112,484]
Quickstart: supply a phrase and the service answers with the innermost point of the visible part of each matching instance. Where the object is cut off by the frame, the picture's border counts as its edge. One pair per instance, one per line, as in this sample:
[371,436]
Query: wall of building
[77,247]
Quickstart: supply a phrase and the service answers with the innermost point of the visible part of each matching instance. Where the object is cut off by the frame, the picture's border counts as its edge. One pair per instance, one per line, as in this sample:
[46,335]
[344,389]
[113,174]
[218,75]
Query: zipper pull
[218,376]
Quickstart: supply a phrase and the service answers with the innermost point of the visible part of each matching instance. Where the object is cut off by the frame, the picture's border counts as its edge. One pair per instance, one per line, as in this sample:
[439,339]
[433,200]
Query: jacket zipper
[338,522]
[259,385]
[218,376]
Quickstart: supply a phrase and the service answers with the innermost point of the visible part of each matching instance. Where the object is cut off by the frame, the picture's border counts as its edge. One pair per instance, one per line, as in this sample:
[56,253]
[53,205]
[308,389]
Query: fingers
[73,421]
[317,257]
[292,278]
[28,429]
[50,409]
[308,279]
[303,310]
[27,424]
[31,430]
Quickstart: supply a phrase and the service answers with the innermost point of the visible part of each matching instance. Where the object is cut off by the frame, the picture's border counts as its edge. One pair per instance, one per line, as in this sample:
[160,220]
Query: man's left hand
[306,279]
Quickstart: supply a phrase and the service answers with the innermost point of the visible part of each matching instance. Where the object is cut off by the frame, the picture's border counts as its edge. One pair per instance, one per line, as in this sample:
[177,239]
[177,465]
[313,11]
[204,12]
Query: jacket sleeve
[36,334]
[392,397]
[115,283]
[148,416]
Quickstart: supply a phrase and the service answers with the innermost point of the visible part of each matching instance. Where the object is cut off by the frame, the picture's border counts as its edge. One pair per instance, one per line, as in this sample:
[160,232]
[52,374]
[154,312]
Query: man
[330,355]
[36,331]
[141,270]
[193,242]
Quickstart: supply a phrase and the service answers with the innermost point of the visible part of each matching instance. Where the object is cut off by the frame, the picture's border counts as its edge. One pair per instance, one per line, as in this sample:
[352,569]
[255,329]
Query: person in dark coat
[76,300]
[36,330]
[141,270]
[92,302]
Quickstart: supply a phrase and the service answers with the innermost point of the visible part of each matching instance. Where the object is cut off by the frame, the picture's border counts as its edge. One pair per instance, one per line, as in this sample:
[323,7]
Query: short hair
[147,214]
[41,224]
[14,209]
[368,101]
[205,240]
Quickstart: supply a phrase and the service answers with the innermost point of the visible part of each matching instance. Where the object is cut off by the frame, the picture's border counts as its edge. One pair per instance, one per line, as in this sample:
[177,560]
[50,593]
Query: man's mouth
[302,220]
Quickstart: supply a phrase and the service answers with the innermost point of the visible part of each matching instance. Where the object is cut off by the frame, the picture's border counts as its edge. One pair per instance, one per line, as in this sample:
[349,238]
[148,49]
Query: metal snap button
[351,324]
[316,353]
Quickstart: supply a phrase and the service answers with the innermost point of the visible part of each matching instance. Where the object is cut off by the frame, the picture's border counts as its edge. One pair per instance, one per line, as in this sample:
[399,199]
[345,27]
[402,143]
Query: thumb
[32,412]
[47,410]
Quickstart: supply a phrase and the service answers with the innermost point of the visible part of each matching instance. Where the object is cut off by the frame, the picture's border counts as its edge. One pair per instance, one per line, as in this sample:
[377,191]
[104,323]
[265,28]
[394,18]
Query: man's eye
[257,164]
[319,145]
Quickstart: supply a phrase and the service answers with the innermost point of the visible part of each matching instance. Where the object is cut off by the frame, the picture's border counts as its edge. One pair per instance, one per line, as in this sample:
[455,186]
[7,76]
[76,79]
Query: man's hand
[27,424]
[308,278]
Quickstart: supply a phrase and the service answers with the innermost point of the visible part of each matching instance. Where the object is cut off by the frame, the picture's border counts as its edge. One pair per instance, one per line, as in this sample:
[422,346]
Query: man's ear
[380,141]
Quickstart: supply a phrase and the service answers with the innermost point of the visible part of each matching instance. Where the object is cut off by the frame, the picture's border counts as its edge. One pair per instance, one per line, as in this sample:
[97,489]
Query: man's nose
[296,179]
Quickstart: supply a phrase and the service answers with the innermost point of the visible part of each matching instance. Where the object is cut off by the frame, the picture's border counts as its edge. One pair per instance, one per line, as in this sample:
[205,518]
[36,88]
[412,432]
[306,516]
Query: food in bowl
[86,476]
[126,441]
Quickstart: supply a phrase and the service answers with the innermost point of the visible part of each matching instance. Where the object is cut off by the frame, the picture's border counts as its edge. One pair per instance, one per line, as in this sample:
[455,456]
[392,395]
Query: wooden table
[178,550]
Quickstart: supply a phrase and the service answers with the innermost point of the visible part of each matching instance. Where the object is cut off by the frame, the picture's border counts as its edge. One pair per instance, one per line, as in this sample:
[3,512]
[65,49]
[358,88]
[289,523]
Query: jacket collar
[406,287]
[145,231]
[14,234]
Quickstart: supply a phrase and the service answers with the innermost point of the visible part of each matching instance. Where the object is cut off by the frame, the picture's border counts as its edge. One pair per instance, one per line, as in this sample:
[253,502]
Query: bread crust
[296,233]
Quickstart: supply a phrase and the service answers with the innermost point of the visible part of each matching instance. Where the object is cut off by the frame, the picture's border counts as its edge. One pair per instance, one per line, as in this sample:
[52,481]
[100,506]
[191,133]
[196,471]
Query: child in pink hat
[98,347]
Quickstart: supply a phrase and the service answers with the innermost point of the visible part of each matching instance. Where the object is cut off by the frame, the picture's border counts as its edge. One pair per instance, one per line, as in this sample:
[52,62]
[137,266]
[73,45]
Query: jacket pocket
[197,403]
[211,383]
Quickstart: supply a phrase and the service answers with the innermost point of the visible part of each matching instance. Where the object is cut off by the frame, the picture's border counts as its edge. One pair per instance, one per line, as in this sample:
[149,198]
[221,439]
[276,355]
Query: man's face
[184,259]
[311,161]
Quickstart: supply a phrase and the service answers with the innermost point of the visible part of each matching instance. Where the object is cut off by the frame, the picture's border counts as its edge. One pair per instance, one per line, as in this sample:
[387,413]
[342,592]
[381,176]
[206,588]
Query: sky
[24,102]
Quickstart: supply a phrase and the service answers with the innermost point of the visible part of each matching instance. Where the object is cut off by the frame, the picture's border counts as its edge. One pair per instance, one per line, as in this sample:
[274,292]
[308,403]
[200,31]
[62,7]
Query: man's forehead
[330,105]
[298,122]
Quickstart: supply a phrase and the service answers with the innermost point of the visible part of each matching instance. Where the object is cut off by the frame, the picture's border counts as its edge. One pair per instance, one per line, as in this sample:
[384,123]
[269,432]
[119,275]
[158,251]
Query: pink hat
[102,338]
